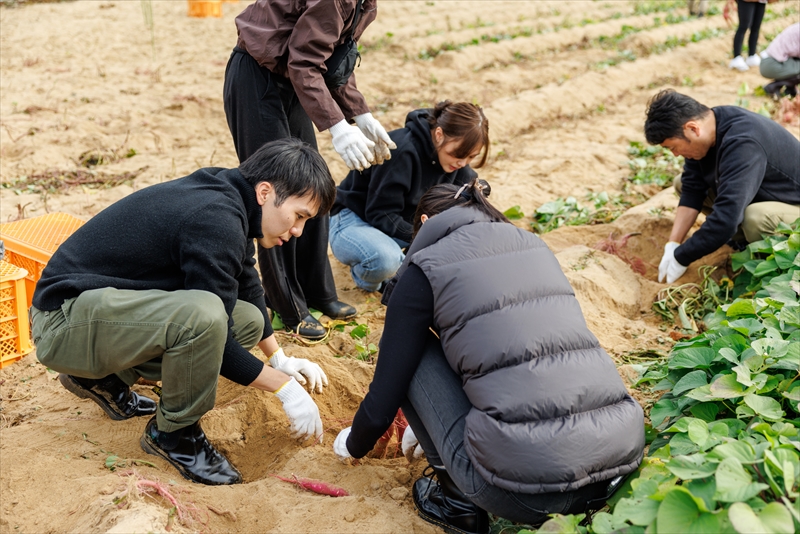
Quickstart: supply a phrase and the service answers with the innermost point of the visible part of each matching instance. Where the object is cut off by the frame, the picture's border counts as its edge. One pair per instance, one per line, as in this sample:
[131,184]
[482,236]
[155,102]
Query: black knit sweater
[195,232]
[754,159]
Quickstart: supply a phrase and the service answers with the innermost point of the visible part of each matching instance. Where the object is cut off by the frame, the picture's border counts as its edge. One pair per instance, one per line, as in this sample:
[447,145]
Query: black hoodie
[386,196]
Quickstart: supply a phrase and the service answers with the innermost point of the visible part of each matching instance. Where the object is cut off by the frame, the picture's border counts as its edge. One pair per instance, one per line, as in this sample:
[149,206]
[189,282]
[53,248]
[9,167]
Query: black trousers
[261,107]
[750,16]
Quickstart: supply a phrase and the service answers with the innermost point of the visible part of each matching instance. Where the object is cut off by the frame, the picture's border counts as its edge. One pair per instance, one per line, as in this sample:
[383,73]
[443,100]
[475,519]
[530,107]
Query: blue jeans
[437,408]
[372,255]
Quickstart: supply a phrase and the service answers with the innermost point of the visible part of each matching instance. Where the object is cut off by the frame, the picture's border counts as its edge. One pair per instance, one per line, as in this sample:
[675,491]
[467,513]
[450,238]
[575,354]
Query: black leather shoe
[190,453]
[336,309]
[440,502]
[112,394]
[309,328]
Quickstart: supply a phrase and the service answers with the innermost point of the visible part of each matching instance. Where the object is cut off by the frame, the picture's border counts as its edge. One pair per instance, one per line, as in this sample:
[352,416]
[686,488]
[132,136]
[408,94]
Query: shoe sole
[79,391]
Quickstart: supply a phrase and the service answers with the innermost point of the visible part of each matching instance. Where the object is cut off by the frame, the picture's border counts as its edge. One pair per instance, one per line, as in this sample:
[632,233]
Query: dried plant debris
[60,181]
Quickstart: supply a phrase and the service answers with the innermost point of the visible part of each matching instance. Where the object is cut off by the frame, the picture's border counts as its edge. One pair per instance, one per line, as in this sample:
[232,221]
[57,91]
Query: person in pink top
[781,61]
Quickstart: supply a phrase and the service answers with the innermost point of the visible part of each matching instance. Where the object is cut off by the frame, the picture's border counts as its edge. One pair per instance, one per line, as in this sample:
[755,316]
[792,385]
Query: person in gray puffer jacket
[519,410]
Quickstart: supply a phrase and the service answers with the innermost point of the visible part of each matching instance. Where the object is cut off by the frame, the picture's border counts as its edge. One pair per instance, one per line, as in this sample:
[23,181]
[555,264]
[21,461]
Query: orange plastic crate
[205,8]
[31,242]
[15,338]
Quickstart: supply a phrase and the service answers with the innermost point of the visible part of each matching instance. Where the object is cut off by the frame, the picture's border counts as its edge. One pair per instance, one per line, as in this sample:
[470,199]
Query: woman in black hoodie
[371,221]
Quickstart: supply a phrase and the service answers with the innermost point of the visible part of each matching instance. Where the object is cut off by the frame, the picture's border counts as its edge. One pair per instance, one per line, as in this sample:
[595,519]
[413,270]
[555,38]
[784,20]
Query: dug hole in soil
[87,82]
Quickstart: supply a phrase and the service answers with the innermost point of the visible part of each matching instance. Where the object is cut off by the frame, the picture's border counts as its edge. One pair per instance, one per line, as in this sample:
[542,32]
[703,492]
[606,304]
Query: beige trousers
[760,218]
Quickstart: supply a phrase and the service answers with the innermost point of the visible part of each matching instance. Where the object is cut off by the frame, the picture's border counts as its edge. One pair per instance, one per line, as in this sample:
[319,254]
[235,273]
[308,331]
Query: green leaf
[765,267]
[681,512]
[738,259]
[698,431]
[734,483]
[692,358]
[746,326]
[277,323]
[691,467]
[359,332]
[562,523]
[694,379]
[727,387]
[707,411]
[662,410]
[640,512]
[774,518]
[790,315]
[514,213]
[741,307]
[740,450]
[766,407]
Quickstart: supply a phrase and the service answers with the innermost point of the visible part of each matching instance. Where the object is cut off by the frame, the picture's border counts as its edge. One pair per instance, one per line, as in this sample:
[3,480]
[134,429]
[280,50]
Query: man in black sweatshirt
[744,166]
[162,285]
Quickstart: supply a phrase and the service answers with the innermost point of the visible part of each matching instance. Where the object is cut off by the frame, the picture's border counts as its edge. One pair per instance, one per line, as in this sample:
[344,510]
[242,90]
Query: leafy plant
[653,164]
[568,212]
[726,451]
[692,302]
[513,213]
[364,349]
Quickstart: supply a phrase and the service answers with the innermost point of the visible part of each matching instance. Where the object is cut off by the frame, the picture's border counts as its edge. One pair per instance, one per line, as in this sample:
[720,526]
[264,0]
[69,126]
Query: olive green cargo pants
[177,337]
[760,218]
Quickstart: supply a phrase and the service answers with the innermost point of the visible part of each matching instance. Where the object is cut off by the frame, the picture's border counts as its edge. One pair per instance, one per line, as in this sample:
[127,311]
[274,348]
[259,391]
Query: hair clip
[458,193]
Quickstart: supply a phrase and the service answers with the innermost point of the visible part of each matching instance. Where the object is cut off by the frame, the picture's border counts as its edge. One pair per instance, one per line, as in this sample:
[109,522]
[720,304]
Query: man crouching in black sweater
[742,170]
[162,285]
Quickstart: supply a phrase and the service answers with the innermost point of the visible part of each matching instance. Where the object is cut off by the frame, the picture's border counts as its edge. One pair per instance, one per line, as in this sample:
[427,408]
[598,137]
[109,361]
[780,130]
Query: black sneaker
[309,328]
[190,453]
[336,309]
[111,394]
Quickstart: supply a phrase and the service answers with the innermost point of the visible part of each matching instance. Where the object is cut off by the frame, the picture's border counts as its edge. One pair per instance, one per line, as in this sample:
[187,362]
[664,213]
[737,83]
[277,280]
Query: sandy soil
[89,77]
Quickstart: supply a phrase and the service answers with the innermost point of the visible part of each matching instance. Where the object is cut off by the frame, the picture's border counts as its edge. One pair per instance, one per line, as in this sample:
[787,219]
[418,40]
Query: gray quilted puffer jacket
[550,412]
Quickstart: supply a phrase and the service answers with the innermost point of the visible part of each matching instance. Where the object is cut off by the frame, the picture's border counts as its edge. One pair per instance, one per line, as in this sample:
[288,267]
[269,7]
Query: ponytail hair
[445,196]
[463,122]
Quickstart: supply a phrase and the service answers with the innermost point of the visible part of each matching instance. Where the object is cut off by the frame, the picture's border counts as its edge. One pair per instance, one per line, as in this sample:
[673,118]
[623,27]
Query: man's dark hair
[667,112]
[293,168]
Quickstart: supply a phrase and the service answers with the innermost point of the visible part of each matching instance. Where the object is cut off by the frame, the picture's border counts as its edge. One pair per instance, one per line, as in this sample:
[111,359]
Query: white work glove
[352,145]
[669,267]
[373,131]
[302,412]
[340,444]
[297,367]
[410,445]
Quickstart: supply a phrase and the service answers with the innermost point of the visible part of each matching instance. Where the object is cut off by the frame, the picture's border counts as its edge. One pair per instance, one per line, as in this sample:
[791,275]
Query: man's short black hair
[293,168]
[667,112]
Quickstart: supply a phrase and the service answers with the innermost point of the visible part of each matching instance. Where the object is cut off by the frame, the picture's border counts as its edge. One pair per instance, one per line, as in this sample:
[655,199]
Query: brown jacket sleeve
[317,31]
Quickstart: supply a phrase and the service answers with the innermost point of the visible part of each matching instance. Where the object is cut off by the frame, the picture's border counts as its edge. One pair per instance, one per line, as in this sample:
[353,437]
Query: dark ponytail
[445,196]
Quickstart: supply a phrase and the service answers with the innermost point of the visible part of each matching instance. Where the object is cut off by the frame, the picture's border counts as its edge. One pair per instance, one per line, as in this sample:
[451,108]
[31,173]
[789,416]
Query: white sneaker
[753,61]
[764,55]
[739,63]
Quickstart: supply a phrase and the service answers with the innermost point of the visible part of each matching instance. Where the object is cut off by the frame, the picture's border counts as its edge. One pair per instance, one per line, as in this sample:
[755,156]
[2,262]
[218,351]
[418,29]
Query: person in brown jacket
[291,67]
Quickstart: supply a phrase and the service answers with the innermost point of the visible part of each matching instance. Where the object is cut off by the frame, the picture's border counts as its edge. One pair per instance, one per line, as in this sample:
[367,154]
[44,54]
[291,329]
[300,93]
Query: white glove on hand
[295,366]
[373,131]
[351,144]
[410,445]
[340,444]
[302,412]
[669,267]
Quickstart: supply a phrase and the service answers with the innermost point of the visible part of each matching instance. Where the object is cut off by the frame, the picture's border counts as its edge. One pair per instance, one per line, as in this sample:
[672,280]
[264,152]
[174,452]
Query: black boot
[112,394]
[309,328]
[440,502]
[190,453]
[336,309]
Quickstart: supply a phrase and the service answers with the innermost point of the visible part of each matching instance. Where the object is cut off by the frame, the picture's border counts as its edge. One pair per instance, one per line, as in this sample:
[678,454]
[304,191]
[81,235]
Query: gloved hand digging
[375,132]
[410,445]
[297,367]
[669,267]
[301,410]
[340,444]
[351,144]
